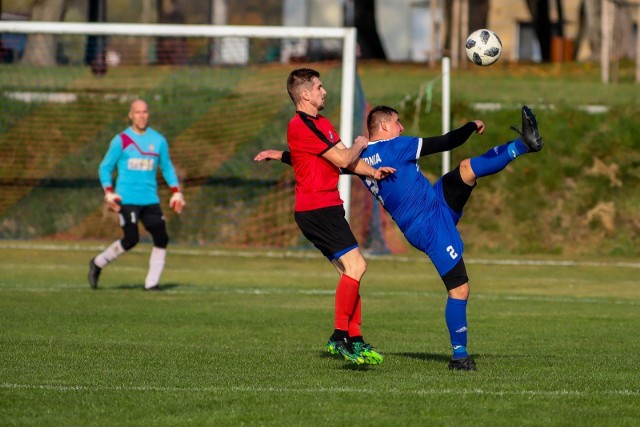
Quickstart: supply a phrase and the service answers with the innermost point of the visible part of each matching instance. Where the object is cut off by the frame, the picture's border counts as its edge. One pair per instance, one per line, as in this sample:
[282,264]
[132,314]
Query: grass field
[236,338]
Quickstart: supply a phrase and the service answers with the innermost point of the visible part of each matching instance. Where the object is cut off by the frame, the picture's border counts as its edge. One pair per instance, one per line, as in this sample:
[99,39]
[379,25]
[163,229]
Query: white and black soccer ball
[483,47]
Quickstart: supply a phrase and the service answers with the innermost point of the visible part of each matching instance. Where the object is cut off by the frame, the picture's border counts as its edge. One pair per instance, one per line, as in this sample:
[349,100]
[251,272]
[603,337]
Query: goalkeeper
[428,214]
[137,152]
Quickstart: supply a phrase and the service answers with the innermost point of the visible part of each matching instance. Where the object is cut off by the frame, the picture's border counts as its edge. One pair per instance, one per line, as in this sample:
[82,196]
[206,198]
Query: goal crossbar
[156,30]
[347,35]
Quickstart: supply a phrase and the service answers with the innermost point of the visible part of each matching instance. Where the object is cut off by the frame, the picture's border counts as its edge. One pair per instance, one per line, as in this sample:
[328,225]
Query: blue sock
[496,159]
[456,317]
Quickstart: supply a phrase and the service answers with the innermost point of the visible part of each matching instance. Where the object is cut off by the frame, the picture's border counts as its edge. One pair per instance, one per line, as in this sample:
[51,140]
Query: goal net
[217,94]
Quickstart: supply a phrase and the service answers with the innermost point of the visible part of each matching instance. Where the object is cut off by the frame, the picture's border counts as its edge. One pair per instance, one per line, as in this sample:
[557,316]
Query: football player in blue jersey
[428,214]
[137,153]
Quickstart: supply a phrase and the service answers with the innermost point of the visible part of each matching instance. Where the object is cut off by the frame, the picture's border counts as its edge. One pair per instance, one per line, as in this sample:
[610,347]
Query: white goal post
[346,35]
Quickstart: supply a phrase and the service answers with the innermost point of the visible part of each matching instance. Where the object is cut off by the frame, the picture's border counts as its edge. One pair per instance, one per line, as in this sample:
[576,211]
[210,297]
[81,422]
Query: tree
[542,25]
[477,18]
[362,15]
[171,50]
[97,45]
[478,14]
[41,48]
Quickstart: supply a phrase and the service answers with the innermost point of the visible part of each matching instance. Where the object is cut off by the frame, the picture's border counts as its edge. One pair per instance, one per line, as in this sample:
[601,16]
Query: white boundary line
[327,390]
[329,292]
[311,254]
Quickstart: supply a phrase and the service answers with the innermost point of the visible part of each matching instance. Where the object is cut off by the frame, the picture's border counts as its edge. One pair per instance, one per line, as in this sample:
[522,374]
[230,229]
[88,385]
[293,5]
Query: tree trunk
[593,21]
[542,24]
[41,48]
[623,38]
[560,18]
[365,22]
[96,49]
[171,50]
[478,14]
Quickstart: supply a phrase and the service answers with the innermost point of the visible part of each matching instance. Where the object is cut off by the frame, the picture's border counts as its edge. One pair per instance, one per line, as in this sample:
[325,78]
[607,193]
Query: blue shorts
[435,234]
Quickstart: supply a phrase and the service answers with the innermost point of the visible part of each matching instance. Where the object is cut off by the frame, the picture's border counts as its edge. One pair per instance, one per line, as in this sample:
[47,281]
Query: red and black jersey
[309,138]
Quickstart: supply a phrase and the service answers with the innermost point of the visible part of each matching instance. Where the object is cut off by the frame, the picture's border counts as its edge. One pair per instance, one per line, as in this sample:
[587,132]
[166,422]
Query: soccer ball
[483,47]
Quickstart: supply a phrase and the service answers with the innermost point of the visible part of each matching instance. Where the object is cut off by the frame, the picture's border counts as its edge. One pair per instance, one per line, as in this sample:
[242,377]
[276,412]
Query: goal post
[217,108]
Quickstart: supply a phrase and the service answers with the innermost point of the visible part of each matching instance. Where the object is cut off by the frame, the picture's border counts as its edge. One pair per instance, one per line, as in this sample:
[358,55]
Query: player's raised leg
[497,158]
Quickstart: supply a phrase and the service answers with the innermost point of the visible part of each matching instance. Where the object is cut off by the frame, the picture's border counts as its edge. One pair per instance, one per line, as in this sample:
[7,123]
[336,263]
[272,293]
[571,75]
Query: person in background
[137,153]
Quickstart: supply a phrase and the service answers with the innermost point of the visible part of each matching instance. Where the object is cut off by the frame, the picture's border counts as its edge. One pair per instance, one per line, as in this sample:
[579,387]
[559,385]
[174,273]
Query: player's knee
[161,241]
[160,237]
[466,172]
[354,265]
[460,292]
[359,268]
[456,281]
[129,241]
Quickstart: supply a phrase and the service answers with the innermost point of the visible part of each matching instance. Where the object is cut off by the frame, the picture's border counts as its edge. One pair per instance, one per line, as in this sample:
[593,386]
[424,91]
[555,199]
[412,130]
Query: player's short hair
[299,80]
[379,114]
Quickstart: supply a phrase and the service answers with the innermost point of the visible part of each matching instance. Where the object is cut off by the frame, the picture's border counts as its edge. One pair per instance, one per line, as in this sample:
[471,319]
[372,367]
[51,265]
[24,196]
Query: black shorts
[456,192]
[328,230]
[149,215]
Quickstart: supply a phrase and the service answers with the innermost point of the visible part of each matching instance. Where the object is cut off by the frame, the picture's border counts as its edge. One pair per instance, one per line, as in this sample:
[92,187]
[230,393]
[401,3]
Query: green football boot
[345,349]
[367,353]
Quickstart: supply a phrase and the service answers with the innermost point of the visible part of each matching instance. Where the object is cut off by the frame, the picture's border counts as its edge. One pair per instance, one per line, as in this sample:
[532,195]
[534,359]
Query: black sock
[339,335]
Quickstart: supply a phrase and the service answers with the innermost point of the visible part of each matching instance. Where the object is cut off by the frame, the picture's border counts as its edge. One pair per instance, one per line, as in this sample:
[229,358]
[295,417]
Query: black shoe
[529,134]
[94,274]
[465,364]
[155,288]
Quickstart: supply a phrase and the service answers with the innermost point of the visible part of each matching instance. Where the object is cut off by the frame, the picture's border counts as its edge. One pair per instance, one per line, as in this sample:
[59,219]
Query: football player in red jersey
[317,155]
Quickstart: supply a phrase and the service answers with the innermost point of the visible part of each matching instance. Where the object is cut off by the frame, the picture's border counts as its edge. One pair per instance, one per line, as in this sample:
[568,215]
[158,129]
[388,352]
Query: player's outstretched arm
[450,140]
[360,167]
[267,155]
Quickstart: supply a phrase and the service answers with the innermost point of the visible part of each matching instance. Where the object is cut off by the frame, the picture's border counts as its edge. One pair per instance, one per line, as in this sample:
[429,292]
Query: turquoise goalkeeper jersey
[137,158]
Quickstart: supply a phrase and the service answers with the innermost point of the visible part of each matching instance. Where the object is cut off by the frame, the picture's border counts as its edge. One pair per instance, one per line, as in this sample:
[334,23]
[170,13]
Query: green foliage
[578,196]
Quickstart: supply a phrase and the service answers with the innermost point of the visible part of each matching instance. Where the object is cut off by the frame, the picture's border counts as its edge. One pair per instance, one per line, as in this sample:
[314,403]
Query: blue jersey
[417,206]
[137,158]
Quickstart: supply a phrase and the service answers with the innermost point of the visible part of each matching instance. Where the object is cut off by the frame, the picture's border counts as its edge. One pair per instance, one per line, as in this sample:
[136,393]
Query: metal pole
[432,33]
[346,110]
[446,110]
[605,34]
[455,34]
[464,31]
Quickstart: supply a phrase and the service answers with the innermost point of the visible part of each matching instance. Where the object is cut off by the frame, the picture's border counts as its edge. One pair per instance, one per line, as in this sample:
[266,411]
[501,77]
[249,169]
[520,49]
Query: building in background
[409,30]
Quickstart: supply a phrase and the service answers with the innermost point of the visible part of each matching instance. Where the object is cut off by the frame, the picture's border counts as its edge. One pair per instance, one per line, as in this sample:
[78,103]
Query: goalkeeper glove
[177,200]
[112,199]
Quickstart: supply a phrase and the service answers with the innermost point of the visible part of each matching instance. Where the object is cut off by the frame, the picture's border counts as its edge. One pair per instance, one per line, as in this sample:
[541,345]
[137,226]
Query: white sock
[156,265]
[109,254]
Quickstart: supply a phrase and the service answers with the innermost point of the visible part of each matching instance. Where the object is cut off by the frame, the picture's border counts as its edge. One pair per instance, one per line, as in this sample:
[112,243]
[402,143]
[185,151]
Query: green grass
[236,338]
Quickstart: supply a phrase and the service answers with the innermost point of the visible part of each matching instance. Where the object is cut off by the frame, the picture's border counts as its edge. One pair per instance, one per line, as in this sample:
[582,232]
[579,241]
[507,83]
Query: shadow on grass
[347,365]
[130,286]
[435,357]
